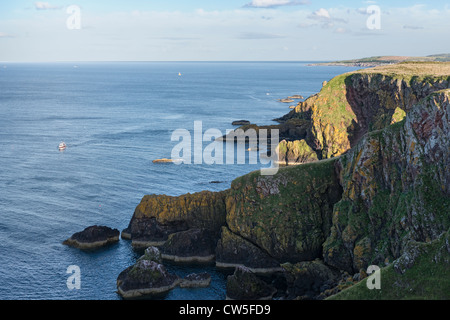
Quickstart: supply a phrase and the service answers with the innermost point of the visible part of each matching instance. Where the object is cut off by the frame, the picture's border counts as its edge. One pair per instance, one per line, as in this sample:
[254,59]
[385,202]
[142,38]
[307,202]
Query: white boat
[62,146]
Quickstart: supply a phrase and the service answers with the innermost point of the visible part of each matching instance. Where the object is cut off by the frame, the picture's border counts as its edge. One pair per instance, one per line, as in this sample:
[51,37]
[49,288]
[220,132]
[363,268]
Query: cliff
[352,104]
[396,187]
[159,216]
[287,215]
[377,182]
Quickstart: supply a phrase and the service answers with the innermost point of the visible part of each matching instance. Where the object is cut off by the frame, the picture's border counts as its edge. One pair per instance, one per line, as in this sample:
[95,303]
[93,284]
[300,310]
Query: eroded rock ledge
[159,216]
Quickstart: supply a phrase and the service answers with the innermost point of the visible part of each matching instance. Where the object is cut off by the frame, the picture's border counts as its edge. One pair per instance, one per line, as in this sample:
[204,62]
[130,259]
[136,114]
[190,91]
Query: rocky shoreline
[149,277]
[367,184]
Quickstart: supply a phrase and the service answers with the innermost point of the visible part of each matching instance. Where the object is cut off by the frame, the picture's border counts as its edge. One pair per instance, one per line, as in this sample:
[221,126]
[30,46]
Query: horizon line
[165,61]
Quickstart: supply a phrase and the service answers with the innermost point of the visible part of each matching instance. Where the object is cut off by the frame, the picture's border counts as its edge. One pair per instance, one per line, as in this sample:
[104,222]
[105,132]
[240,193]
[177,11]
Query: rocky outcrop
[295,152]
[286,100]
[420,273]
[149,277]
[352,104]
[158,216]
[296,96]
[145,278]
[332,121]
[287,215]
[196,280]
[93,237]
[240,123]
[193,245]
[308,279]
[396,184]
[379,182]
[234,251]
[245,285]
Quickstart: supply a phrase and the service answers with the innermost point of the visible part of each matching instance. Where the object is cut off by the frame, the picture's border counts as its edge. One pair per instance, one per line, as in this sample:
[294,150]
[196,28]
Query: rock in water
[163,160]
[193,245]
[286,100]
[158,216]
[240,123]
[93,237]
[144,278]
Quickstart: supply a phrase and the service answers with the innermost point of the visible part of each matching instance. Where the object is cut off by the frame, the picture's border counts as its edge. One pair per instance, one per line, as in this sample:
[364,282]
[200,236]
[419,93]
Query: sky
[225,30]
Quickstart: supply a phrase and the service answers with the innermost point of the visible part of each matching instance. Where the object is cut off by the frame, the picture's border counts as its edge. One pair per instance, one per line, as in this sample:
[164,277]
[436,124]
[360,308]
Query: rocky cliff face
[287,215]
[159,216]
[396,186]
[385,185]
[352,104]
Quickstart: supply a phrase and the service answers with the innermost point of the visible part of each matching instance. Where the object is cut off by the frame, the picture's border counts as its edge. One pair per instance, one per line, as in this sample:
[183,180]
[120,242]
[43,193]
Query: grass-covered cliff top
[437,69]
[382,60]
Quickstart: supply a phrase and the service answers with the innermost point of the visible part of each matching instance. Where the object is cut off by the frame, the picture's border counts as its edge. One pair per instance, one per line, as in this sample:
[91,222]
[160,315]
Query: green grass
[427,279]
[418,69]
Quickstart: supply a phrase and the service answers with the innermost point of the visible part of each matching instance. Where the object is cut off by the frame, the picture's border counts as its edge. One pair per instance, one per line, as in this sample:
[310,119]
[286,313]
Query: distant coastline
[383,60]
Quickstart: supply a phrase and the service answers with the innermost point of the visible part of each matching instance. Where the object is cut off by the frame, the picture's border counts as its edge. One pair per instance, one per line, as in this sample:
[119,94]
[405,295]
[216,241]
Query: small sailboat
[62,146]
[179,74]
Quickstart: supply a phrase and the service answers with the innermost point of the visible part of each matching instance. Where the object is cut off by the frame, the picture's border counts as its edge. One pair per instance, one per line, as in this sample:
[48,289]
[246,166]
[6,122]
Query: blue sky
[205,30]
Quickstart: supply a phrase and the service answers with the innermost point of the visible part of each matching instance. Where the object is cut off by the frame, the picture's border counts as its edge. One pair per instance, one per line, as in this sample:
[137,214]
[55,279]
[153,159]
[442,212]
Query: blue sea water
[115,119]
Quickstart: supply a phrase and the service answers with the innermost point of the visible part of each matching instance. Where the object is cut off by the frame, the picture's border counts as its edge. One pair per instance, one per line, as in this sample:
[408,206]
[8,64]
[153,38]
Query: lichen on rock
[245,285]
[395,188]
[158,216]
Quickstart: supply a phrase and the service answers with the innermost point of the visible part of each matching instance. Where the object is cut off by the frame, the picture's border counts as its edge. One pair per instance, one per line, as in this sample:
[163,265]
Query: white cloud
[324,16]
[321,14]
[45,6]
[275,3]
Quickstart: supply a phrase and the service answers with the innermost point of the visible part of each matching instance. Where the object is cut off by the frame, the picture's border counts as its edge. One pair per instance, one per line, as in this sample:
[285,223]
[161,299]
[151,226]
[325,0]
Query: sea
[116,118]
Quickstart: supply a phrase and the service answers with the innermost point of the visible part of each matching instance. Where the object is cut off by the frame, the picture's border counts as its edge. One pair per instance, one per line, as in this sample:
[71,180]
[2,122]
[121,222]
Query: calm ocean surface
[115,119]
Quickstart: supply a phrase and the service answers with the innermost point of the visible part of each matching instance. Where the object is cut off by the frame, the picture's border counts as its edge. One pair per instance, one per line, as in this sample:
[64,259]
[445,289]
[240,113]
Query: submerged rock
[93,237]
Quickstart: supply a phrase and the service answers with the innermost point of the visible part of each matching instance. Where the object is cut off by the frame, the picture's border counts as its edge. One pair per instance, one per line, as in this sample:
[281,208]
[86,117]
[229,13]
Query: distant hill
[384,60]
